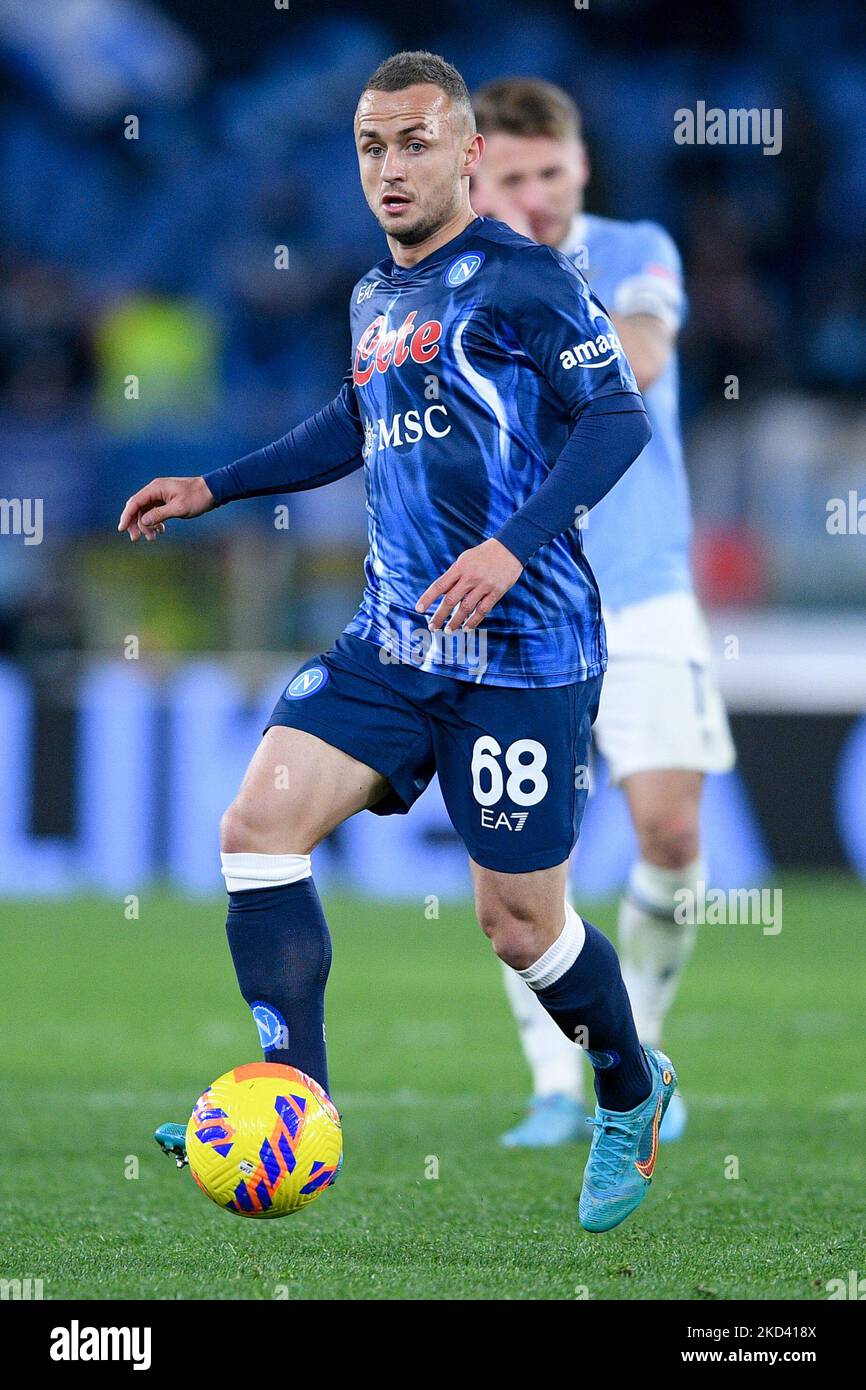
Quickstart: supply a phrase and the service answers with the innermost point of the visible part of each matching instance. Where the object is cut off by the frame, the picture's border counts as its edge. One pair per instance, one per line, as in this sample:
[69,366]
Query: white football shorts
[660,704]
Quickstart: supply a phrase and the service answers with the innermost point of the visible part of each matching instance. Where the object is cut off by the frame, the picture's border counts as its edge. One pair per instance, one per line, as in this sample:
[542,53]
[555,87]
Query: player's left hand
[471,586]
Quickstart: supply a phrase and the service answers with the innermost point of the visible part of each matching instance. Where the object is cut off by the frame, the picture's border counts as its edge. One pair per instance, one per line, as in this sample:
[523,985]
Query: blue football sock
[281,950]
[589,1001]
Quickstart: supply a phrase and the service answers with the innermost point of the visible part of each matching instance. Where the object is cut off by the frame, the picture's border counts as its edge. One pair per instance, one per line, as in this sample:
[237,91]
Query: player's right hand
[147,511]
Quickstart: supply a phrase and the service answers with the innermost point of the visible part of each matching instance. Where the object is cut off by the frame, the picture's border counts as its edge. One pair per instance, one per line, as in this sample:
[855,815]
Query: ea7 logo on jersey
[379,349]
[595,352]
[366,291]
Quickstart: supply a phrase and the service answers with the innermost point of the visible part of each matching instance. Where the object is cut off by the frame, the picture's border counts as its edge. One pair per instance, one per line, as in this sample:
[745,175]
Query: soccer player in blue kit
[490,405]
[661,723]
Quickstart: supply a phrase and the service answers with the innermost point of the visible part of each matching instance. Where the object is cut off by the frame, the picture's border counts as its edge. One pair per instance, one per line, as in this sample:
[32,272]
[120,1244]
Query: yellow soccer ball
[264,1140]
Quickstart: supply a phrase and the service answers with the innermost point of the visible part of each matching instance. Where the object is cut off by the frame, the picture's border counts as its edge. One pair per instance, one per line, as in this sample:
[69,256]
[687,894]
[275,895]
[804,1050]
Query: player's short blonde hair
[526,106]
[417,66]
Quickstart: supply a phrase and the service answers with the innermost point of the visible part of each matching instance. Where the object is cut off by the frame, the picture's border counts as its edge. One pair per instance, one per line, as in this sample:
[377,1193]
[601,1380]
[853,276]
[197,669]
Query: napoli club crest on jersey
[306,683]
[463,269]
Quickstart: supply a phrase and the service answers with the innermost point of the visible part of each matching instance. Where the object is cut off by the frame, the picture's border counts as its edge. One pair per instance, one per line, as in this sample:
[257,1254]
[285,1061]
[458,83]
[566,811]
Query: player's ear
[584,165]
[473,149]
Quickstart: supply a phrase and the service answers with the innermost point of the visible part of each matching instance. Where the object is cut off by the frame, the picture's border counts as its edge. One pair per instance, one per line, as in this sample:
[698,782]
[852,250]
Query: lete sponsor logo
[379,348]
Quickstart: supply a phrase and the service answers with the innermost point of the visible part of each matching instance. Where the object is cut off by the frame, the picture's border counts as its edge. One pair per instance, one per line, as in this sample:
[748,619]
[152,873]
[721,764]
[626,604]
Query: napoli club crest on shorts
[306,683]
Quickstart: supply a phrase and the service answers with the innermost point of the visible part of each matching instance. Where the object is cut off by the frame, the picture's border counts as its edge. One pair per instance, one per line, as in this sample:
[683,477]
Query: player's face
[532,182]
[413,151]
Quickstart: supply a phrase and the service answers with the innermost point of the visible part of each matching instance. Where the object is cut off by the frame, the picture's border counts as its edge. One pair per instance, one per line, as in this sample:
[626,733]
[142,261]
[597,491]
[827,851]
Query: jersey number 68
[528,774]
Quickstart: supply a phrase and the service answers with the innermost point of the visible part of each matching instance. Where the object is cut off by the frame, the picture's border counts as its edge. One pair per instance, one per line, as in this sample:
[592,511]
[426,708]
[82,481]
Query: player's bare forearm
[162,500]
[471,586]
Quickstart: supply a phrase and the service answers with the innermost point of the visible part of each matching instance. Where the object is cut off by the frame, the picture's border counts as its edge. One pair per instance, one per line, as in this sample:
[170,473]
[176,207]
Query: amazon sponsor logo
[595,352]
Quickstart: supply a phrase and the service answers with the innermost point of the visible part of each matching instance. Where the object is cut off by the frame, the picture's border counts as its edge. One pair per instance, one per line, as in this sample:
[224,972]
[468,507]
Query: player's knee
[236,831]
[669,840]
[517,940]
[264,825]
[245,829]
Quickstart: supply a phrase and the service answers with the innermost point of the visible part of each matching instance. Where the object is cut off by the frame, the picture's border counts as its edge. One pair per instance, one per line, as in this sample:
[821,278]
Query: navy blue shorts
[512,762]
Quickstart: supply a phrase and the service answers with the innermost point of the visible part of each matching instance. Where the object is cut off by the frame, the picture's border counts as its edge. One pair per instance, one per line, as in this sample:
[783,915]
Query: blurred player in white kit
[661,724]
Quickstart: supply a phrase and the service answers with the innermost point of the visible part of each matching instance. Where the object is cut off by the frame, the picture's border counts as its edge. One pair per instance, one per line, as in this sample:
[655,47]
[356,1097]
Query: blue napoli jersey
[469,370]
[638,537]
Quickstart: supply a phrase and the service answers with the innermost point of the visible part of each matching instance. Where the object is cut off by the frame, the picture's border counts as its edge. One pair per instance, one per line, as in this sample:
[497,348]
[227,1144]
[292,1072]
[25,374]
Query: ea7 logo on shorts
[595,352]
[515,820]
[306,683]
[463,269]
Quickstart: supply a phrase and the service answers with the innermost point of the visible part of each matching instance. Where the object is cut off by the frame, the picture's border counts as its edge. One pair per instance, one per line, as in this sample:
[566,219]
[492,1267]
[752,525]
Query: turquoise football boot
[552,1120]
[172,1140]
[624,1149]
[673,1126]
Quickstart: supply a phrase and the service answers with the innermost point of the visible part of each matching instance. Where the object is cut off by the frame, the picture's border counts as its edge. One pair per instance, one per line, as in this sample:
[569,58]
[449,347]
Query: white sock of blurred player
[555,1062]
[653,946]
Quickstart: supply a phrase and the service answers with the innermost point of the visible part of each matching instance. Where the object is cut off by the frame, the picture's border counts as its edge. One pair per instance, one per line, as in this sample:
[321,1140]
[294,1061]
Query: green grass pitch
[112,1026]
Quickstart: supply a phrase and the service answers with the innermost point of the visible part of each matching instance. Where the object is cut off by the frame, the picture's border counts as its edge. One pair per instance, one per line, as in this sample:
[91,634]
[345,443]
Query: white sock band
[655,889]
[243,871]
[560,956]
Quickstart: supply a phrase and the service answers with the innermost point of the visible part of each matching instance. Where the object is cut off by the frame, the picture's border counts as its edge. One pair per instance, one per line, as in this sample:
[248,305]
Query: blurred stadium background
[156,156]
